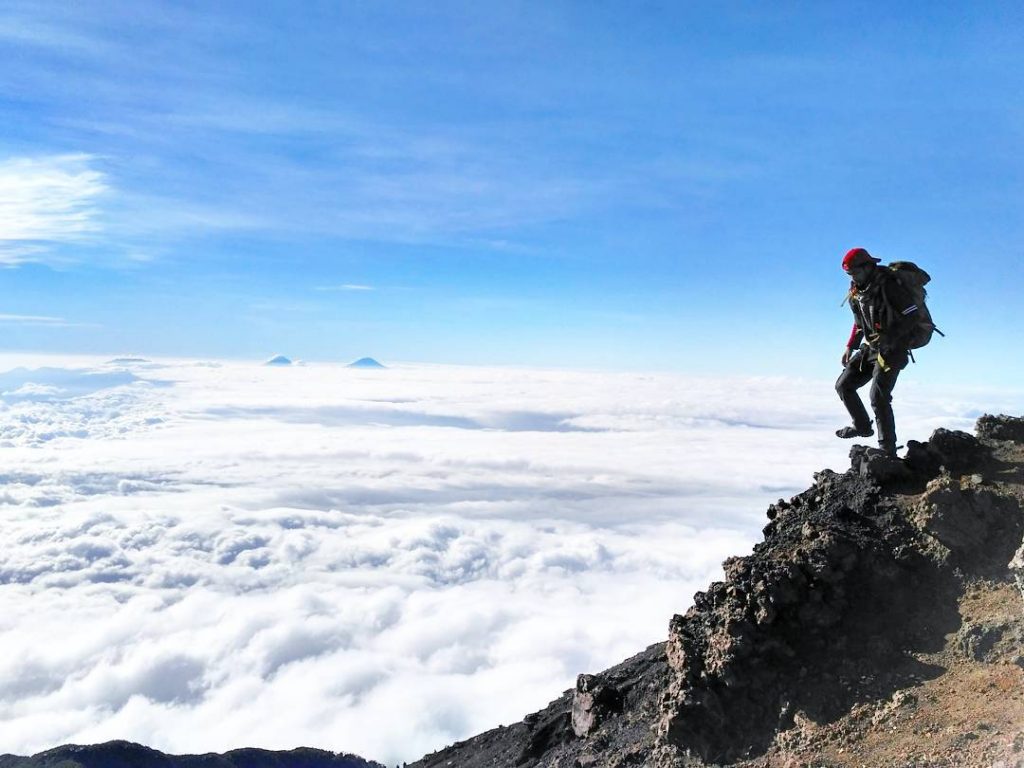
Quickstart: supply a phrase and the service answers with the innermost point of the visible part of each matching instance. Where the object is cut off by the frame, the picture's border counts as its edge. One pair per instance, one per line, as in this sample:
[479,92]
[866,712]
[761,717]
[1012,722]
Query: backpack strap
[890,309]
[849,294]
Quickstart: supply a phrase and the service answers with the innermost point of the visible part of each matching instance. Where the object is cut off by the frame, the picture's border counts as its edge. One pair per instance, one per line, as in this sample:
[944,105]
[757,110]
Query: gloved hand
[847,354]
[881,362]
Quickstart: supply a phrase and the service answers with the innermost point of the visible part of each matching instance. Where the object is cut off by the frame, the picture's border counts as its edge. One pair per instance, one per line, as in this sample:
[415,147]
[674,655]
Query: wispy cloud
[195,150]
[13,254]
[33,320]
[346,287]
[27,29]
[46,201]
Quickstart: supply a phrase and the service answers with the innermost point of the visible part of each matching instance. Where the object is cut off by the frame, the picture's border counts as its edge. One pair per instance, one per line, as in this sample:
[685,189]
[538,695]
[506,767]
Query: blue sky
[612,185]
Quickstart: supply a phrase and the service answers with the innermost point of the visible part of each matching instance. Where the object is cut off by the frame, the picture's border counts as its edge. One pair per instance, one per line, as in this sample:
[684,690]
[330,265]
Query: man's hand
[847,354]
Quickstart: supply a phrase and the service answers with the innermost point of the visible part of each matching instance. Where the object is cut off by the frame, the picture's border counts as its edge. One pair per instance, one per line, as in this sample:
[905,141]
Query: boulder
[592,703]
[955,450]
[1001,428]
[870,462]
[920,460]
[979,527]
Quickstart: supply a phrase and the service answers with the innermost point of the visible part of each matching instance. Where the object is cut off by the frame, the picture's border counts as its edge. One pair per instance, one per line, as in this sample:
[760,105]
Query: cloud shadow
[505,421]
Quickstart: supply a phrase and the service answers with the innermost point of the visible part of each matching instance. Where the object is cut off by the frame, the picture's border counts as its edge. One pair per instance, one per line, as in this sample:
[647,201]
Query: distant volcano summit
[365,362]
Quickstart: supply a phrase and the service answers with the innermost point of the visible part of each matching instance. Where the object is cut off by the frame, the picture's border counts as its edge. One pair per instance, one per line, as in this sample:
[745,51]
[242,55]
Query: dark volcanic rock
[868,462]
[548,733]
[593,703]
[125,754]
[625,705]
[796,622]
[846,580]
[1001,428]
[956,451]
[920,460]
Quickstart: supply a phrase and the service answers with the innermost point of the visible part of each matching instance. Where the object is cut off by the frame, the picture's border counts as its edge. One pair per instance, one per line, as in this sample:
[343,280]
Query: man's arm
[854,341]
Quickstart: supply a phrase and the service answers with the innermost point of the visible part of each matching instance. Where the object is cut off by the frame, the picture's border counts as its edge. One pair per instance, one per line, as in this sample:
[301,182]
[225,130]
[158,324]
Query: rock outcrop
[1001,428]
[847,579]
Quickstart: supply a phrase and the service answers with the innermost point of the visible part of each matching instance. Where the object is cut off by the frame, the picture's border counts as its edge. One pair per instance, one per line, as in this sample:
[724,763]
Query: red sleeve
[854,337]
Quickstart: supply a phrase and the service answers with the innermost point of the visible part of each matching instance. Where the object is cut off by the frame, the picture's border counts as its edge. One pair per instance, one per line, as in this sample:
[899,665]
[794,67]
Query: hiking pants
[862,368]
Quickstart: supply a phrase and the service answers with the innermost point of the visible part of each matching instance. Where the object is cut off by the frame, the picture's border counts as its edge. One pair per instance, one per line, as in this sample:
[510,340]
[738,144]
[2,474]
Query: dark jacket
[883,313]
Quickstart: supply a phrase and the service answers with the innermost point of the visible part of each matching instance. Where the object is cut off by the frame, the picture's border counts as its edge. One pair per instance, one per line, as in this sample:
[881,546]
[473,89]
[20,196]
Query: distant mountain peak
[365,362]
[278,360]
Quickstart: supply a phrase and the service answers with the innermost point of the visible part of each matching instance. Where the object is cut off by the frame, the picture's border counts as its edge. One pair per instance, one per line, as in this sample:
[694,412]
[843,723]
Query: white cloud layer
[375,561]
[46,200]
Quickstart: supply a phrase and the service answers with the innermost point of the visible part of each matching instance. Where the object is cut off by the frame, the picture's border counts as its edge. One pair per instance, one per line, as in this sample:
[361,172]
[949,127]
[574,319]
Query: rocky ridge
[125,754]
[876,624]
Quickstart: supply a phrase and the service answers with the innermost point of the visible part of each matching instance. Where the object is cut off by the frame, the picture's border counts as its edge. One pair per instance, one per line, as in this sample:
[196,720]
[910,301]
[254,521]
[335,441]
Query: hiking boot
[849,432]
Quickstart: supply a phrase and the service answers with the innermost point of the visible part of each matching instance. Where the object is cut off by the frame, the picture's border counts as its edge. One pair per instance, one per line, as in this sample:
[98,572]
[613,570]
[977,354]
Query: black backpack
[913,279]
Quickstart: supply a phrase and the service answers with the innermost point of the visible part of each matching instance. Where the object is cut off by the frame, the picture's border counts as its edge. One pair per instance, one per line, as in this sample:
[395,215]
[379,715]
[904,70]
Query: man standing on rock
[883,319]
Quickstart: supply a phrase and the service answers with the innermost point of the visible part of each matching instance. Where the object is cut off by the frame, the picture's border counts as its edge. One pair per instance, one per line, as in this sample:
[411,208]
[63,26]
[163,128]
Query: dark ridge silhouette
[125,754]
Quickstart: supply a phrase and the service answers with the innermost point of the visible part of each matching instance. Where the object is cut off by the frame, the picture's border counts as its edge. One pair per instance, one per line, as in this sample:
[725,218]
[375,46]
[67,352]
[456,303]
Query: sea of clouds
[201,555]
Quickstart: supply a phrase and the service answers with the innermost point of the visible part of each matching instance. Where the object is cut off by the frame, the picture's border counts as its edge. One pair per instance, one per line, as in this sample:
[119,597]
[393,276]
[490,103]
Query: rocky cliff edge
[877,624]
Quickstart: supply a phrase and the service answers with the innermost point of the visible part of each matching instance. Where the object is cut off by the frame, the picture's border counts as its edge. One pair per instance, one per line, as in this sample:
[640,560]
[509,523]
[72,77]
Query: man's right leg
[850,380]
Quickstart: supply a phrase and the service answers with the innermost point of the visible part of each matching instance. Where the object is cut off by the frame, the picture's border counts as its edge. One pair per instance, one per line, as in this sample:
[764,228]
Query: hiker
[884,320]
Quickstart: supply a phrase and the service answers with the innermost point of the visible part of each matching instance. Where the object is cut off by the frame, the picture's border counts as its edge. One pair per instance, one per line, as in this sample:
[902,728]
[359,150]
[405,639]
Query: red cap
[857,256]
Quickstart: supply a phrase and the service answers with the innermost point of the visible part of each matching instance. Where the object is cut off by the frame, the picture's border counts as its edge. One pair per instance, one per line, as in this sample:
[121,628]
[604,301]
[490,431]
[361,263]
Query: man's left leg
[882,384]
